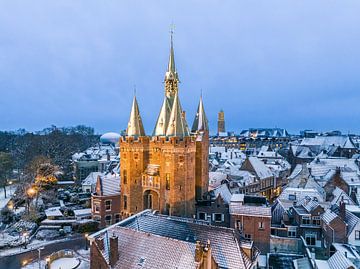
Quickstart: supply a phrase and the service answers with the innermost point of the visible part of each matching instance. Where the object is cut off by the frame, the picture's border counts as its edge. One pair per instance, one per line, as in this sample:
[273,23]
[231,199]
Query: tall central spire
[171,65]
[171,75]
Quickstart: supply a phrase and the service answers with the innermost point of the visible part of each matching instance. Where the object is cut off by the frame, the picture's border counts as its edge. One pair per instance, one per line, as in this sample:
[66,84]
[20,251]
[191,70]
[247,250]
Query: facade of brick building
[105,201]
[168,170]
[253,223]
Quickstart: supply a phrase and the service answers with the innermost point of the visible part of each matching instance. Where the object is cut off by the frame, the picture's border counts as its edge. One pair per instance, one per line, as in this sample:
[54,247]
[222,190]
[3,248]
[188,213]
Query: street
[16,261]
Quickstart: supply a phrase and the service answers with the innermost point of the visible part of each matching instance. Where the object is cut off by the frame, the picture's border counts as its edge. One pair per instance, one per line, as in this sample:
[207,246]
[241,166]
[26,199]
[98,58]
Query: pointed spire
[200,122]
[163,118]
[177,122]
[135,125]
[171,73]
[171,65]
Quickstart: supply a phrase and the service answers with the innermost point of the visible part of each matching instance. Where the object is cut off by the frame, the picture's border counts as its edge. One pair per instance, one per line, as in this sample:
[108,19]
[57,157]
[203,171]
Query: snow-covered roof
[53,212]
[261,170]
[108,185]
[320,168]
[297,194]
[82,212]
[91,178]
[224,192]
[324,141]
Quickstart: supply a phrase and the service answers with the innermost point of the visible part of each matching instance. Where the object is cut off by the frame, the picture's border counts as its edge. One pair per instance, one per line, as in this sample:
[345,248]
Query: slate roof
[110,185]
[239,209]
[328,216]
[145,250]
[338,195]
[339,261]
[261,170]
[225,244]
[350,219]
[224,192]
[91,178]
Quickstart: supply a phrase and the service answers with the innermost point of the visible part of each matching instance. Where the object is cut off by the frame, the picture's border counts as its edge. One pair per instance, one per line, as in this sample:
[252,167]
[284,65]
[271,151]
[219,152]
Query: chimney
[114,251]
[198,252]
[342,210]
[207,256]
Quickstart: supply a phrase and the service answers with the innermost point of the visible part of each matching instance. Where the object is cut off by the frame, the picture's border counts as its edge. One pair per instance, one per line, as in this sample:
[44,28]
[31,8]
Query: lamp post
[47,266]
[30,193]
[86,239]
[39,250]
[25,235]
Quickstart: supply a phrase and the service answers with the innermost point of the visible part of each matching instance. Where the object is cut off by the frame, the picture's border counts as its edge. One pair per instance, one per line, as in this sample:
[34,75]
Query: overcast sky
[290,64]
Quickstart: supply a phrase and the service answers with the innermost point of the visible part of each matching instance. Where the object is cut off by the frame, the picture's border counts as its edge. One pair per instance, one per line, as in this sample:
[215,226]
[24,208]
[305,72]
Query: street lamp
[30,193]
[25,235]
[40,249]
[86,239]
[47,262]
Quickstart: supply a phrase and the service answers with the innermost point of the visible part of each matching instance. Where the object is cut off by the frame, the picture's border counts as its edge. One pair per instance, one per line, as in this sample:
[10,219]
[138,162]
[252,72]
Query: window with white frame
[357,235]
[117,218]
[108,205]
[108,220]
[316,220]
[261,225]
[218,217]
[202,215]
[305,220]
[96,207]
[239,225]
[310,239]
[291,231]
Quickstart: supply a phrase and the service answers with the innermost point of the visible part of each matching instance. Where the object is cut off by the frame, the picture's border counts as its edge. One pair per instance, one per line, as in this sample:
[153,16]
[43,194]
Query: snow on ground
[35,265]
[9,191]
[35,244]
[64,263]
[81,255]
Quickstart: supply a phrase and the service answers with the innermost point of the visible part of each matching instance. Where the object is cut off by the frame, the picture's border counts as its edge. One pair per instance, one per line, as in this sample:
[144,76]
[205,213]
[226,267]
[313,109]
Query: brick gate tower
[167,171]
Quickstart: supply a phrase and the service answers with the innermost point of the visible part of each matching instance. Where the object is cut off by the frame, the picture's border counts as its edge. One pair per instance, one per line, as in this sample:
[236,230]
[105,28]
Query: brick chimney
[114,251]
[207,256]
[342,209]
[198,252]
[203,255]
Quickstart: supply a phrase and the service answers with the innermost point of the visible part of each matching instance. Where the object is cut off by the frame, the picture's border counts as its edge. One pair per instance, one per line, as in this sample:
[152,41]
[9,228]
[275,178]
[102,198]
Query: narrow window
[125,177]
[108,205]
[167,178]
[125,202]
[108,220]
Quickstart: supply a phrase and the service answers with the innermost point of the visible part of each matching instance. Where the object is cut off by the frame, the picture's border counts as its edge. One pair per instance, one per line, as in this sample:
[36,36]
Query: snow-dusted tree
[6,166]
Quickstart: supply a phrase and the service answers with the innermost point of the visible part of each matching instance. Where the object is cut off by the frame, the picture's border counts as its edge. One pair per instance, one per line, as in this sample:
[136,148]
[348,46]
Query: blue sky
[291,64]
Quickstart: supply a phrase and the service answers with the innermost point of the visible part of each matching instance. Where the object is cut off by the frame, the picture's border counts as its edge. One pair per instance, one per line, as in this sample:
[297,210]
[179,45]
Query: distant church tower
[221,122]
[168,170]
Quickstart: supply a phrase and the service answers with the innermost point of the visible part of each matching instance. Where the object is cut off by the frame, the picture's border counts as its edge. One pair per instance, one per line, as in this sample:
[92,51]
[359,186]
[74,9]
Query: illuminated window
[125,177]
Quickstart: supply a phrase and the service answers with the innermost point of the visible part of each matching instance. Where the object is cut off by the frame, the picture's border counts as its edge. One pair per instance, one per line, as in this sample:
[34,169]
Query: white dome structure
[110,138]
